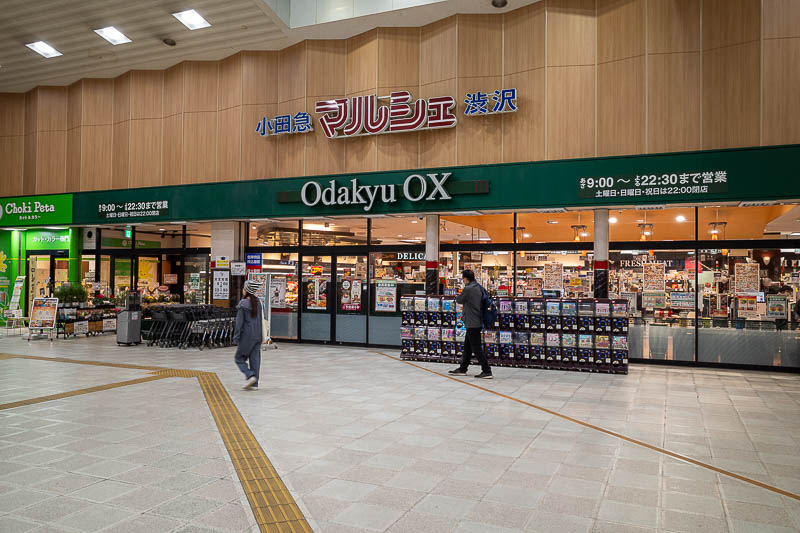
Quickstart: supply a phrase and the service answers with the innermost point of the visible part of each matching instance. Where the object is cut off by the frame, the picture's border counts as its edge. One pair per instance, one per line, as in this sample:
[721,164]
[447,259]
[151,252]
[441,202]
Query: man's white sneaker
[250,382]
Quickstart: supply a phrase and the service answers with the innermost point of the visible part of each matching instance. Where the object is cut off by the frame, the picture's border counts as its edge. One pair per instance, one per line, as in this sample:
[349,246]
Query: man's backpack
[488,310]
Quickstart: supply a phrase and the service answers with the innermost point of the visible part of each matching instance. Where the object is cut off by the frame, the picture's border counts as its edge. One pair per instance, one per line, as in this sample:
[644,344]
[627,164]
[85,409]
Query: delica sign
[415,188]
[36,210]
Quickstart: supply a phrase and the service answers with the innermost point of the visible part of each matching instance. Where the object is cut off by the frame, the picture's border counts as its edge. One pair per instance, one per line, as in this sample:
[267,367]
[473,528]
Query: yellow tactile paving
[669,453]
[273,506]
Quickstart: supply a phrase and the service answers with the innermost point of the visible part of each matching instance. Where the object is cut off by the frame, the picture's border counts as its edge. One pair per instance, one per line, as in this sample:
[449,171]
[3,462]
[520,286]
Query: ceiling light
[399,234]
[526,235]
[43,49]
[161,229]
[795,234]
[415,221]
[612,220]
[499,3]
[112,35]
[484,238]
[680,218]
[191,19]
[552,221]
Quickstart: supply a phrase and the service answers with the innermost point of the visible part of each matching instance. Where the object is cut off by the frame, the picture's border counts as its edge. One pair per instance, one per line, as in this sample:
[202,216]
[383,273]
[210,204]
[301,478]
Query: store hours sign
[126,210]
[654,186]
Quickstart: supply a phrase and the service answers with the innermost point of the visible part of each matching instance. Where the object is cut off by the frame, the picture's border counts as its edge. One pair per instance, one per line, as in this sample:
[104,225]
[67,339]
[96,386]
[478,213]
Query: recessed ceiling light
[526,235]
[415,221]
[161,229]
[680,218]
[612,220]
[112,35]
[552,221]
[795,234]
[43,49]
[191,19]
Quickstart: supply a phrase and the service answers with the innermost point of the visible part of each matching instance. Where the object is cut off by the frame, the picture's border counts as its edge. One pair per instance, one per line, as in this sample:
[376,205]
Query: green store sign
[746,174]
[36,210]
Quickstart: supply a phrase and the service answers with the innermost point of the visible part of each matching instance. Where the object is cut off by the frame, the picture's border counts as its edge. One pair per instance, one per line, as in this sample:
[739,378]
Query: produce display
[554,333]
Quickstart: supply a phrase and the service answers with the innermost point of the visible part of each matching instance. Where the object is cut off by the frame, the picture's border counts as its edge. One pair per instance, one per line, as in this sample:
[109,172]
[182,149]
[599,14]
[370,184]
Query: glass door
[39,275]
[315,301]
[123,275]
[195,279]
[282,293]
[351,298]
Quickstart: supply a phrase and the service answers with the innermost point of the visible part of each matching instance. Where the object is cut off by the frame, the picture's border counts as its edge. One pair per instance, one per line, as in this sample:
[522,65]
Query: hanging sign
[654,276]
[746,278]
[253,261]
[681,300]
[553,277]
[221,285]
[386,296]
[747,306]
[777,306]
[238,268]
[654,300]
[170,279]
[221,262]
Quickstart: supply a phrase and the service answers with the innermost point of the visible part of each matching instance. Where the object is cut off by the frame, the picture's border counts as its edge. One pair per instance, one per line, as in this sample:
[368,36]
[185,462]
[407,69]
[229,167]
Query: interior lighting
[680,218]
[191,19]
[112,35]
[552,221]
[43,49]
[612,220]
[528,235]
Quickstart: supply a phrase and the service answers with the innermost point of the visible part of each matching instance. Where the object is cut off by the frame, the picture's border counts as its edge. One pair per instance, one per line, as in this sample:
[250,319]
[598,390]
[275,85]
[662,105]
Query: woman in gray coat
[247,334]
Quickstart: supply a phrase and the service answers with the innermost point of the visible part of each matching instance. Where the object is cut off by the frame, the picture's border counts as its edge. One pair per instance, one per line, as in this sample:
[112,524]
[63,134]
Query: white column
[227,241]
[601,253]
[432,254]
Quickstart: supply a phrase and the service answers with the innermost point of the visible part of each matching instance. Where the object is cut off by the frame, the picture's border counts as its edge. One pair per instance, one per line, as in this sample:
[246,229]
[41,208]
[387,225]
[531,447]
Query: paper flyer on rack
[654,277]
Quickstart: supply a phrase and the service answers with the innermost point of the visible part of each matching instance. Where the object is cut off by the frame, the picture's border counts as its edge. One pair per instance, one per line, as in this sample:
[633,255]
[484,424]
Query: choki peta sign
[34,210]
[415,188]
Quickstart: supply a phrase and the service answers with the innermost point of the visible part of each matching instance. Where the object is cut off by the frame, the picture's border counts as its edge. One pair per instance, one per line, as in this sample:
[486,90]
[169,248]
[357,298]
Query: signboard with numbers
[222,285]
[652,186]
[128,210]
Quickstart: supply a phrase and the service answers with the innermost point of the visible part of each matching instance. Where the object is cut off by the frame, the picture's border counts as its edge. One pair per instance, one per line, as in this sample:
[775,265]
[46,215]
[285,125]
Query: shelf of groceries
[589,334]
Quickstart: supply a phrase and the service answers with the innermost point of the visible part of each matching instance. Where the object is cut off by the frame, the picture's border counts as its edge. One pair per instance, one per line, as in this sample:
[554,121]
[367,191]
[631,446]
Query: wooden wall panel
[292,67]
[438,53]
[29,164]
[781,19]
[200,86]
[781,121]
[480,46]
[524,37]
[120,155]
[362,63]
[51,109]
[122,98]
[229,144]
[673,26]
[291,149]
[51,156]
[571,32]
[30,111]
[199,147]
[258,153]
[673,102]
[621,107]
[620,29]
[477,136]
[172,150]
[147,92]
[74,104]
[173,90]
[96,155]
[73,162]
[730,22]
[398,57]
[230,82]
[12,160]
[12,114]
[731,111]
[396,152]
[322,155]
[145,153]
[98,102]
[523,131]
[438,147]
[260,77]
[570,101]
[326,69]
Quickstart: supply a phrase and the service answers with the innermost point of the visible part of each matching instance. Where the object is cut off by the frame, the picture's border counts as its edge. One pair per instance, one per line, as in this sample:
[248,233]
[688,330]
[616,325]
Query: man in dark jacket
[471,298]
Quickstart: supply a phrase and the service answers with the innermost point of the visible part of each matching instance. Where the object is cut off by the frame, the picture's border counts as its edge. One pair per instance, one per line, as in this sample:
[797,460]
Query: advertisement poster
[748,305]
[277,292]
[746,280]
[316,270]
[222,285]
[109,324]
[261,279]
[317,293]
[654,276]
[632,306]
[681,300]
[386,296]
[43,313]
[82,327]
[238,268]
[170,279]
[253,261]
[654,300]
[350,294]
[777,306]
[194,281]
[553,277]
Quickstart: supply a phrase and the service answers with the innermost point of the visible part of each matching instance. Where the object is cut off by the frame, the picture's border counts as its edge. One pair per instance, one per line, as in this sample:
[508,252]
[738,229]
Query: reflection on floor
[366,443]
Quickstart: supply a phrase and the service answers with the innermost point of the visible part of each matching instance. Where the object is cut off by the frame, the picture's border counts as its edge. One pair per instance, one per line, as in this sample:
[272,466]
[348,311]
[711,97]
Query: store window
[728,222]
[282,290]
[478,228]
[570,226]
[335,231]
[565,273]
[315,293]
[198,235]
[273,233]
[398,230]
[749,306]
[392,276]
[673,224]
[493,270]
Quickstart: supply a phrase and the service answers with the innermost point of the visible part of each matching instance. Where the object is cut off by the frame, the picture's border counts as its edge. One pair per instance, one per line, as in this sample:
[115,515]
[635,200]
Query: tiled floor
[367,443]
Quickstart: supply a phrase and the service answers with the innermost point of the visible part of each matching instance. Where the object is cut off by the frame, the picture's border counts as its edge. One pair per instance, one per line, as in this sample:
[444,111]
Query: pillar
[227,241]
[601,253]
[75,255]
[432,255]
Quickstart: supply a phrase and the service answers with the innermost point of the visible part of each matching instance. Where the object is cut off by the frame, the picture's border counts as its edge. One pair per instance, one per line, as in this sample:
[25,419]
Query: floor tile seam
[130,366]
[227,417]
[657,449]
